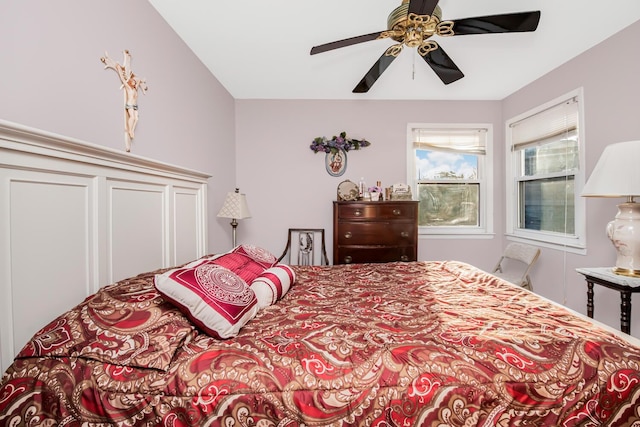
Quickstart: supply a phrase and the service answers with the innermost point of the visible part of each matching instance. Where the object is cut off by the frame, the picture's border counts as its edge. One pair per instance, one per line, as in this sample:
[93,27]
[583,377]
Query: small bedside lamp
[617,174]
[234,207]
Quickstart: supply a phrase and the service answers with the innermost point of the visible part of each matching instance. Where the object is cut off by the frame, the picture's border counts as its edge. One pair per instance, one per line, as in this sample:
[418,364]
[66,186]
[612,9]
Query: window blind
[471,141]
[560,120]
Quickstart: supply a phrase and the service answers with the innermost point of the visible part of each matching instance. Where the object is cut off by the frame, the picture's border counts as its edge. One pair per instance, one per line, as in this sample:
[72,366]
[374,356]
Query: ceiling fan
[415,21]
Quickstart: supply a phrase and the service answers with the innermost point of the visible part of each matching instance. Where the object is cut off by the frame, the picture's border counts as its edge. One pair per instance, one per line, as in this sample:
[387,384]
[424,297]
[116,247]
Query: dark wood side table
[604,276]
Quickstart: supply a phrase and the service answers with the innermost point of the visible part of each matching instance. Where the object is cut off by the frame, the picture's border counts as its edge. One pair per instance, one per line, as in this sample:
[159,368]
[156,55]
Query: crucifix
[131,84]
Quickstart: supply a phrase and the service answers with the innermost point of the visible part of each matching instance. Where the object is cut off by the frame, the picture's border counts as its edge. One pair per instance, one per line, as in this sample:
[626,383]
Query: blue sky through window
[433,164]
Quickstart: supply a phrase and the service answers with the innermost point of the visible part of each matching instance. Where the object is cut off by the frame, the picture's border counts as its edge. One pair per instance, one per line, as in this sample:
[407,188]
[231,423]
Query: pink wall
[609,74]
[52,79]
[287,184]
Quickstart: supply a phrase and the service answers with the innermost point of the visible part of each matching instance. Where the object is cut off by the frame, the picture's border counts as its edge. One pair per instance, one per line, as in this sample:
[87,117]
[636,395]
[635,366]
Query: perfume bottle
[362,188]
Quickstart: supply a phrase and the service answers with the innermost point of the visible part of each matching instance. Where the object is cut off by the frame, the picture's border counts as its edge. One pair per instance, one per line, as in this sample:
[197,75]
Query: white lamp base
[624,232]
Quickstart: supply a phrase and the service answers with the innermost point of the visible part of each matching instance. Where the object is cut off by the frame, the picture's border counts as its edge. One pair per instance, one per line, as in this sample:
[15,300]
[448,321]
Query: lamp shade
[617,173]
[235,206]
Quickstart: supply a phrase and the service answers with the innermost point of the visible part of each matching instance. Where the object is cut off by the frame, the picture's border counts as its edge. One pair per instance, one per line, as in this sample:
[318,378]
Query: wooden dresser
[375,231]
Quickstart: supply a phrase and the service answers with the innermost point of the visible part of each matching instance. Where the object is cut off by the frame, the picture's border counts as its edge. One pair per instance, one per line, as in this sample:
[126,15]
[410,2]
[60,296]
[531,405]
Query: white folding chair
[515,264]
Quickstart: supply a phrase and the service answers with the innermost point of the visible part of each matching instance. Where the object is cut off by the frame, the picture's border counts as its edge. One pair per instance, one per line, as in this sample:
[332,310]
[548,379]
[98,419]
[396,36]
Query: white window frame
[485,179]
[575,243]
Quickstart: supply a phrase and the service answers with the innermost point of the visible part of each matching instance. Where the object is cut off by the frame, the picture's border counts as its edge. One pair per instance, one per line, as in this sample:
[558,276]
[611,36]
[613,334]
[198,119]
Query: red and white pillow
[214,292]
[257,254]
[213,297]
[246,261]
[273,284]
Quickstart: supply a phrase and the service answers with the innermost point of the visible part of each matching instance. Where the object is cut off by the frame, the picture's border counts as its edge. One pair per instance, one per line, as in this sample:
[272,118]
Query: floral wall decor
[335,150]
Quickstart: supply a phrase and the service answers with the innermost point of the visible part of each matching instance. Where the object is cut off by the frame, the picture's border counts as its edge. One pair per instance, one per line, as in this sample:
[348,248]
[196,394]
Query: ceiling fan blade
[374,73]
[507,23]
[346,42]
[443,65]
[422,7]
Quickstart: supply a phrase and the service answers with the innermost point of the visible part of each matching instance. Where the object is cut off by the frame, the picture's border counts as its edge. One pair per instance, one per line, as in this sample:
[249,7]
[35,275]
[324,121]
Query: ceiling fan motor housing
[412,32]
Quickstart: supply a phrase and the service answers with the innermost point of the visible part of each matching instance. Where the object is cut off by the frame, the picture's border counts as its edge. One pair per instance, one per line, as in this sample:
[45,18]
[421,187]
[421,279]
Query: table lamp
[235,207]
[617,174]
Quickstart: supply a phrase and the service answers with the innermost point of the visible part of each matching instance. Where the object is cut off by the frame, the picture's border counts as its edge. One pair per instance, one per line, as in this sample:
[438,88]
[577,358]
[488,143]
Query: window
[544,175]
[449,173]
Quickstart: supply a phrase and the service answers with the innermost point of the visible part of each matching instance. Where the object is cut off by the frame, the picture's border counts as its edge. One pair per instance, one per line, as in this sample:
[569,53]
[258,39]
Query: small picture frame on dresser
[401,192]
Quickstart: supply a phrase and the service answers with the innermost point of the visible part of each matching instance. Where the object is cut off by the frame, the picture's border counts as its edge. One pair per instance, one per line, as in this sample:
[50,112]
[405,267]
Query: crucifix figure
[131,84]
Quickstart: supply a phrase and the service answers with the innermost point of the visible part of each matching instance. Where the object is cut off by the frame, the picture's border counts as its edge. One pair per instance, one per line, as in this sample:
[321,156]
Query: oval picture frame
[336,162]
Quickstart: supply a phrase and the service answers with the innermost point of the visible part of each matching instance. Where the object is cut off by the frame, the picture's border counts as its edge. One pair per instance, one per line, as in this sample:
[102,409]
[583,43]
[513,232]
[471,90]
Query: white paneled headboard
[76,216]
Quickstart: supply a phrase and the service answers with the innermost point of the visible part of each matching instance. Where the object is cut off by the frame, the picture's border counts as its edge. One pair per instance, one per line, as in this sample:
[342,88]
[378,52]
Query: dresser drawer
[376,233]
[357,255]
[376,211]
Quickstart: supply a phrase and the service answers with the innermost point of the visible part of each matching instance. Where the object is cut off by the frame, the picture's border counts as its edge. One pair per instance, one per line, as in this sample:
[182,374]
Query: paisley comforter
[399,344]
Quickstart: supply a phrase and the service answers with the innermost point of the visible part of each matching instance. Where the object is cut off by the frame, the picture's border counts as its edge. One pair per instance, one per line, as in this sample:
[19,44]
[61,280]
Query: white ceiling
[259,49]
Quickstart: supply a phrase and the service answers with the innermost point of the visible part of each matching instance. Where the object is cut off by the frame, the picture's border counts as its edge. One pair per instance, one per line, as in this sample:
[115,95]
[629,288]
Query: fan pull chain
[413,68]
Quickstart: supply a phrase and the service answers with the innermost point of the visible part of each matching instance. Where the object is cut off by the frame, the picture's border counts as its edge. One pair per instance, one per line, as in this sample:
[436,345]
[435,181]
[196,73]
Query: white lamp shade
[235,206]
[617,173]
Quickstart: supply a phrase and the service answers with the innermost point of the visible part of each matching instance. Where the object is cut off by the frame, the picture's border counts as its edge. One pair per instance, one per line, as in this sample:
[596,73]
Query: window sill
[467,236]
[564,247]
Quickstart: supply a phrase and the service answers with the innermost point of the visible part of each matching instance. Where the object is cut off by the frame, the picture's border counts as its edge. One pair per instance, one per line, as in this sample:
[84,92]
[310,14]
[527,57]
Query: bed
[397,344]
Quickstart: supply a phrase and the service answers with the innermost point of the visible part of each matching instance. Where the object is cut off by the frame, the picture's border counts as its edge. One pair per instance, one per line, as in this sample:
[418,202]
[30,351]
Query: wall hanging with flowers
[335,150]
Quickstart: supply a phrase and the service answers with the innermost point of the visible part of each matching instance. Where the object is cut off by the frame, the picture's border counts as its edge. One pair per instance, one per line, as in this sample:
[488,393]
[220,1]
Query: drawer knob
[404,234]
[357,212]
[348,259]
[397,212]
[348,235]
[404,258]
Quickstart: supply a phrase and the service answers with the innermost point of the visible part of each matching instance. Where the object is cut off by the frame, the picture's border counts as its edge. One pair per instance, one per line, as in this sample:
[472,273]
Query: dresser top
[379,202]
